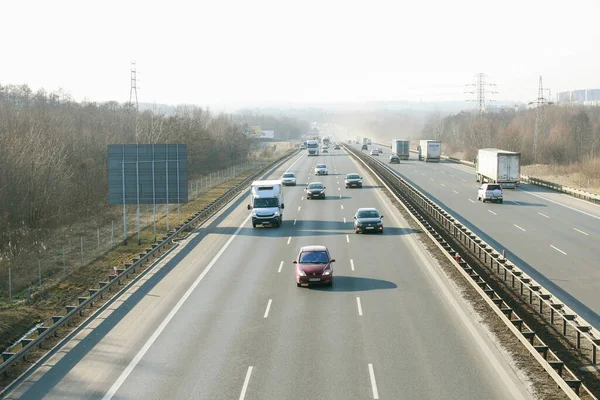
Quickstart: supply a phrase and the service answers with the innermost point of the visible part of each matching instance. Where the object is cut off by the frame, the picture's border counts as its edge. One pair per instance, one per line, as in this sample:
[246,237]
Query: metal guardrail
[44,332]
[580,194]
[515,279]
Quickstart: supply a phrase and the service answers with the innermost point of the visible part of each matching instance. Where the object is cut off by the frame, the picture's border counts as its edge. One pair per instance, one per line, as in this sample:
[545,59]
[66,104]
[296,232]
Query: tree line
[53,151]
[566,135]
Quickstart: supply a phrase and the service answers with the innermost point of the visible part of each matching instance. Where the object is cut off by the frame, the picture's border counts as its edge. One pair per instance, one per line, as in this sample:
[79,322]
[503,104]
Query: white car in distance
[288,179]
[321,169]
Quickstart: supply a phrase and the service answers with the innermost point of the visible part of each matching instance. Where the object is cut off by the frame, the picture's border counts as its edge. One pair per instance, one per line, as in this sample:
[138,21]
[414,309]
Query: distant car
[368,220]
[380,151]
[490,192]
[314,190]
[325,151]
[288,179]
[353,180]
[314,266]
[375,152]
[336,147]
[321,169]
[394,159]
[303,147]
[364,147]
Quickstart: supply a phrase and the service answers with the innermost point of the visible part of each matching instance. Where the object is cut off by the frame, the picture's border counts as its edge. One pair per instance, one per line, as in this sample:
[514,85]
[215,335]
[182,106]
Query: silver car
[321,169]
[288,179]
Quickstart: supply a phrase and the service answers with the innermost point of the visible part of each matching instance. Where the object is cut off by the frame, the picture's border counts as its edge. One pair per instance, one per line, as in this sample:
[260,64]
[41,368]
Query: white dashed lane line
[246,381]
[455,191]
[359,306]
[373,382]
[586,234]
[347,238]
[543,215]
[289,240]
[557,249]
[280,266]
[520,227]
[492,212]
[472,201]
[352,264]
[268,308]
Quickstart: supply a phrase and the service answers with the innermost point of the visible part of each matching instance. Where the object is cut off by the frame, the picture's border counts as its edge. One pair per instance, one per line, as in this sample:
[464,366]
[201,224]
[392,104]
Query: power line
[133,87]
[481,90]
[540,124]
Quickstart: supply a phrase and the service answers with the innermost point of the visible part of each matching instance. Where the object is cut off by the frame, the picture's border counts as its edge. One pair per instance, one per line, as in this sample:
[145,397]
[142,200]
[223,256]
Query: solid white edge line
[268,308]
[298,159]
[280,266]
[129,369]
[520,227]
[557,249]
[289,240]
[347,238]
[246,382]
[359,306]
[373,382]
[543,215]
[352,264]
[586,234]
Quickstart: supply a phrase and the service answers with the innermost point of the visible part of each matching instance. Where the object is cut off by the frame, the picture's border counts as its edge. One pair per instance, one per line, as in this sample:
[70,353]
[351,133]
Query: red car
[314,266]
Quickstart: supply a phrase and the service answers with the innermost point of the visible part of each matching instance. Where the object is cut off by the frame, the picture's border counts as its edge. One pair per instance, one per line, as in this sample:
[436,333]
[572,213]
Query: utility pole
[539,103]
[481,90]
[133,87]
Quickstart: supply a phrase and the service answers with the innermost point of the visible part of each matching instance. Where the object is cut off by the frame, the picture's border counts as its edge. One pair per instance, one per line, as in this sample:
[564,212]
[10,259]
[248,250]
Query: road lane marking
[581,232]
[129,369]
[373,382]
[463,180]
[472,201]
[560,204]
[347,238]
[520,227]
[299,207]
[543,215]
[246,381]
[302,198]
[344,219]
[359,306]
[352,264]
[423,174]
[341,205]
[454,176]
[268,308]
[455,191]
[340,196]
[339,189]
[557,249]
[295,221]
[280,266]
[442,184]
[492,212]
[432,179]
[516,202]
[289,240]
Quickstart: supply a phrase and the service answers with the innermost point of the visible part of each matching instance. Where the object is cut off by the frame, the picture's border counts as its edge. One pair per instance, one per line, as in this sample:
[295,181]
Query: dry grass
[56,293]
[574,175]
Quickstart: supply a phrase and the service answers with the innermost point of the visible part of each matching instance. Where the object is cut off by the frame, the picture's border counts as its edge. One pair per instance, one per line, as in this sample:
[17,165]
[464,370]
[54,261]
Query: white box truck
[430,150]
[266,203]
[312,147]
[401,148]
[498,166]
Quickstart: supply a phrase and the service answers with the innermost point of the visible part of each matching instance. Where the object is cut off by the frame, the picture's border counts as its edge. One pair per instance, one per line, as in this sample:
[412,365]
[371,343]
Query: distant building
[583,97]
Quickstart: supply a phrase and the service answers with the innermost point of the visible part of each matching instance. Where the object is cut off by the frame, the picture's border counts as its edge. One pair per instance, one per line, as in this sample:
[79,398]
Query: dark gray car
[315,190]
[368,220]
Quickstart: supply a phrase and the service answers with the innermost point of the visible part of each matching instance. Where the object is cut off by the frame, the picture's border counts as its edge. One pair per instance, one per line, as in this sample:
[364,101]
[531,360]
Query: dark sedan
[394,159]
[368,220]
[315,190]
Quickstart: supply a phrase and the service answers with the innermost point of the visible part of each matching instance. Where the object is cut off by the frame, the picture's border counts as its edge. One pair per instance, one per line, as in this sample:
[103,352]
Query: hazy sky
[205,52]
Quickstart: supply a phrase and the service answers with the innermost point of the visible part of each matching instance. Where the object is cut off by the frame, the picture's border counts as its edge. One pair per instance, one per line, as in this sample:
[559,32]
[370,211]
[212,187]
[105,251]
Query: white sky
[205,52]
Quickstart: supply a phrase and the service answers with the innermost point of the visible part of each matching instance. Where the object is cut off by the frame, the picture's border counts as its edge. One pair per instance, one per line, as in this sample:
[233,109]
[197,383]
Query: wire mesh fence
[68,251]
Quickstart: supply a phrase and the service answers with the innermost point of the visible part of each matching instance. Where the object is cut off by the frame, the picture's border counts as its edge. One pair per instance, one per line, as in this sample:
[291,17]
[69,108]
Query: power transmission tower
[539,103]
[481,90]
[133,87]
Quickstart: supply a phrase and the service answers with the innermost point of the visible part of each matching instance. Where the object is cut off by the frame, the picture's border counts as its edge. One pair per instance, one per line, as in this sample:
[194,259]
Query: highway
[551,236]
[220,317]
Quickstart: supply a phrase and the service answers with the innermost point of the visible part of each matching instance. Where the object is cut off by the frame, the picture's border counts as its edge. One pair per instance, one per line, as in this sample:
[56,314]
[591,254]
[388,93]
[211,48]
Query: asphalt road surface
[553,237]
[221,317]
